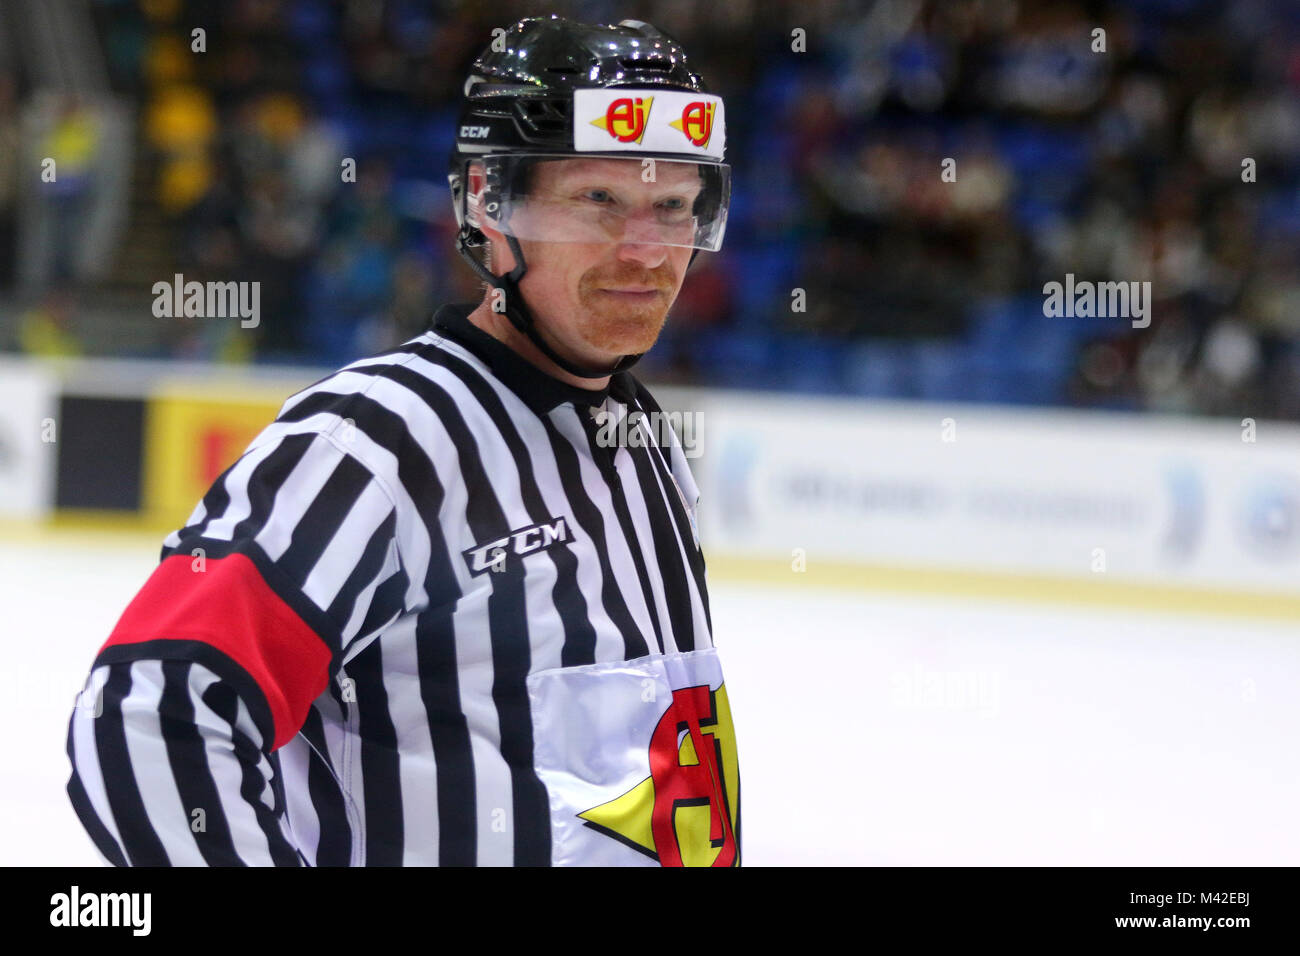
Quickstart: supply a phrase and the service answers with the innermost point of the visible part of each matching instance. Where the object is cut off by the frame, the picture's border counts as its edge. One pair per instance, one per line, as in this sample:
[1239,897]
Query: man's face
[610,298]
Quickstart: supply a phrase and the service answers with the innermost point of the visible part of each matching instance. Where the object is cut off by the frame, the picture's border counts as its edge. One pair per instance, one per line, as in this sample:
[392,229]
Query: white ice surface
[873,729]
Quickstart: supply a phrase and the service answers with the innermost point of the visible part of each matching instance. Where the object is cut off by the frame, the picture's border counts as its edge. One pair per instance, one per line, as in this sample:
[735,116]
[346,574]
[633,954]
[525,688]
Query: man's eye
[675,203]
[599,195]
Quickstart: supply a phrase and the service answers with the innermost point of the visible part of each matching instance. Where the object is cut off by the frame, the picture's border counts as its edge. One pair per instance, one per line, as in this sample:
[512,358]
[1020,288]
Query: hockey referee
[449,608]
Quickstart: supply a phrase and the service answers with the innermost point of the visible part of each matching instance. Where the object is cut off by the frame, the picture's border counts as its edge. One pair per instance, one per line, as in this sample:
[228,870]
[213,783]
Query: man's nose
[649,256]
[641,243]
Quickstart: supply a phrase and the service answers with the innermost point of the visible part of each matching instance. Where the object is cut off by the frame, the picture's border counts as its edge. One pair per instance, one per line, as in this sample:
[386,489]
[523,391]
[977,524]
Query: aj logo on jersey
[538,537]
[687,812]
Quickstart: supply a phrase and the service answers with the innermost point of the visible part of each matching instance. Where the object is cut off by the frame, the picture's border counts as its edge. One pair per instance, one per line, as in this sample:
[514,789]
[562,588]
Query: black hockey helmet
[552,87]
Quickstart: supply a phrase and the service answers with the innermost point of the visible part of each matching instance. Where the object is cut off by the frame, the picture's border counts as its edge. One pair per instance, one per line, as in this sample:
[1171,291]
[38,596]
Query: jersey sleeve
[290,560]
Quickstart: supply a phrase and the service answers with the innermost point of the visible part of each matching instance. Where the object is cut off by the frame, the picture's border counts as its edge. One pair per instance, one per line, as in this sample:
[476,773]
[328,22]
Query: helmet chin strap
[520,316]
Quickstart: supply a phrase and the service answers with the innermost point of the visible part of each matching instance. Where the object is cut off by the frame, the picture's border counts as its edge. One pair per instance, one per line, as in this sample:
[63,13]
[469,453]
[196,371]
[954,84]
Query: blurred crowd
[305,144]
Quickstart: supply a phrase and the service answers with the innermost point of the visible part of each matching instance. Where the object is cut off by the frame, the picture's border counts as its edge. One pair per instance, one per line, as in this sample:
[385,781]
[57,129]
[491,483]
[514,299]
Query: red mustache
[662,281]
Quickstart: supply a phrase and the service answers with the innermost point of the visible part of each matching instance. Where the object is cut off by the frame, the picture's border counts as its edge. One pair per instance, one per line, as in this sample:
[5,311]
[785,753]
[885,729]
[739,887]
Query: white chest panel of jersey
[639,761]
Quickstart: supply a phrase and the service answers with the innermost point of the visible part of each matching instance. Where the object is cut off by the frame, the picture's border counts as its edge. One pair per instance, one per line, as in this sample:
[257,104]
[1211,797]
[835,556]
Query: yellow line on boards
[1101,593]
[73,527]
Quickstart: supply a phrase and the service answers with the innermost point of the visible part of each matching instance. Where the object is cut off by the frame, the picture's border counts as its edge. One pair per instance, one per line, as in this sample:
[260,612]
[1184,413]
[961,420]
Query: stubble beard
[623,329]
[620,327]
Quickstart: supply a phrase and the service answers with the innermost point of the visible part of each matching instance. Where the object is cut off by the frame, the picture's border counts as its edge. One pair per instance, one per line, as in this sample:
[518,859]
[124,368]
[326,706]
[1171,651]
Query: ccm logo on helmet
[493,555]
[475,132]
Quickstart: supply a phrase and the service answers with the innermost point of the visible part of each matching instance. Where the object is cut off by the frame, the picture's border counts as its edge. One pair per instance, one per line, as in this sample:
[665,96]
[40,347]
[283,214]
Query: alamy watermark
[208,300]
[923,689]
[74,908]
[1101,300]
[638,429]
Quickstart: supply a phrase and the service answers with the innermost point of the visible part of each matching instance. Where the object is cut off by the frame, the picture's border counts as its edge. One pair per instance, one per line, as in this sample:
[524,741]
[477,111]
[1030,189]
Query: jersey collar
[539,391]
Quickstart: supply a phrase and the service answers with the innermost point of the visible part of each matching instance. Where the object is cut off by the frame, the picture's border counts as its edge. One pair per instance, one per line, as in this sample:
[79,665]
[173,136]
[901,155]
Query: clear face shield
[645,200]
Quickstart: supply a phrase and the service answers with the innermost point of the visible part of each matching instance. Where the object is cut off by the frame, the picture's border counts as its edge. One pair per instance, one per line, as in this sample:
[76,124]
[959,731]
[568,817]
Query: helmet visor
[596,199]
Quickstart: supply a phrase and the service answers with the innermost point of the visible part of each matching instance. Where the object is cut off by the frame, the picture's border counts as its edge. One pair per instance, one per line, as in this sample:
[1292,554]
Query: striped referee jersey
[444,610]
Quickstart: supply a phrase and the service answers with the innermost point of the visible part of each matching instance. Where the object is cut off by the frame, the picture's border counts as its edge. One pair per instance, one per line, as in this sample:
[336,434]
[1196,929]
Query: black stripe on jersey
[668,549]
[188,760]
[139,839]
[604,458]
[414,345]
[380,760]
[335,842]
[225,704]
[226,668]
[439,684]
[435,657]
[587,515]
[685,533]
[266,478]
[511,651]
[389,596]
[281,806]
[415,471]
[322,519]
[215,503]
[579,634]
[663,464]
[99,834]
